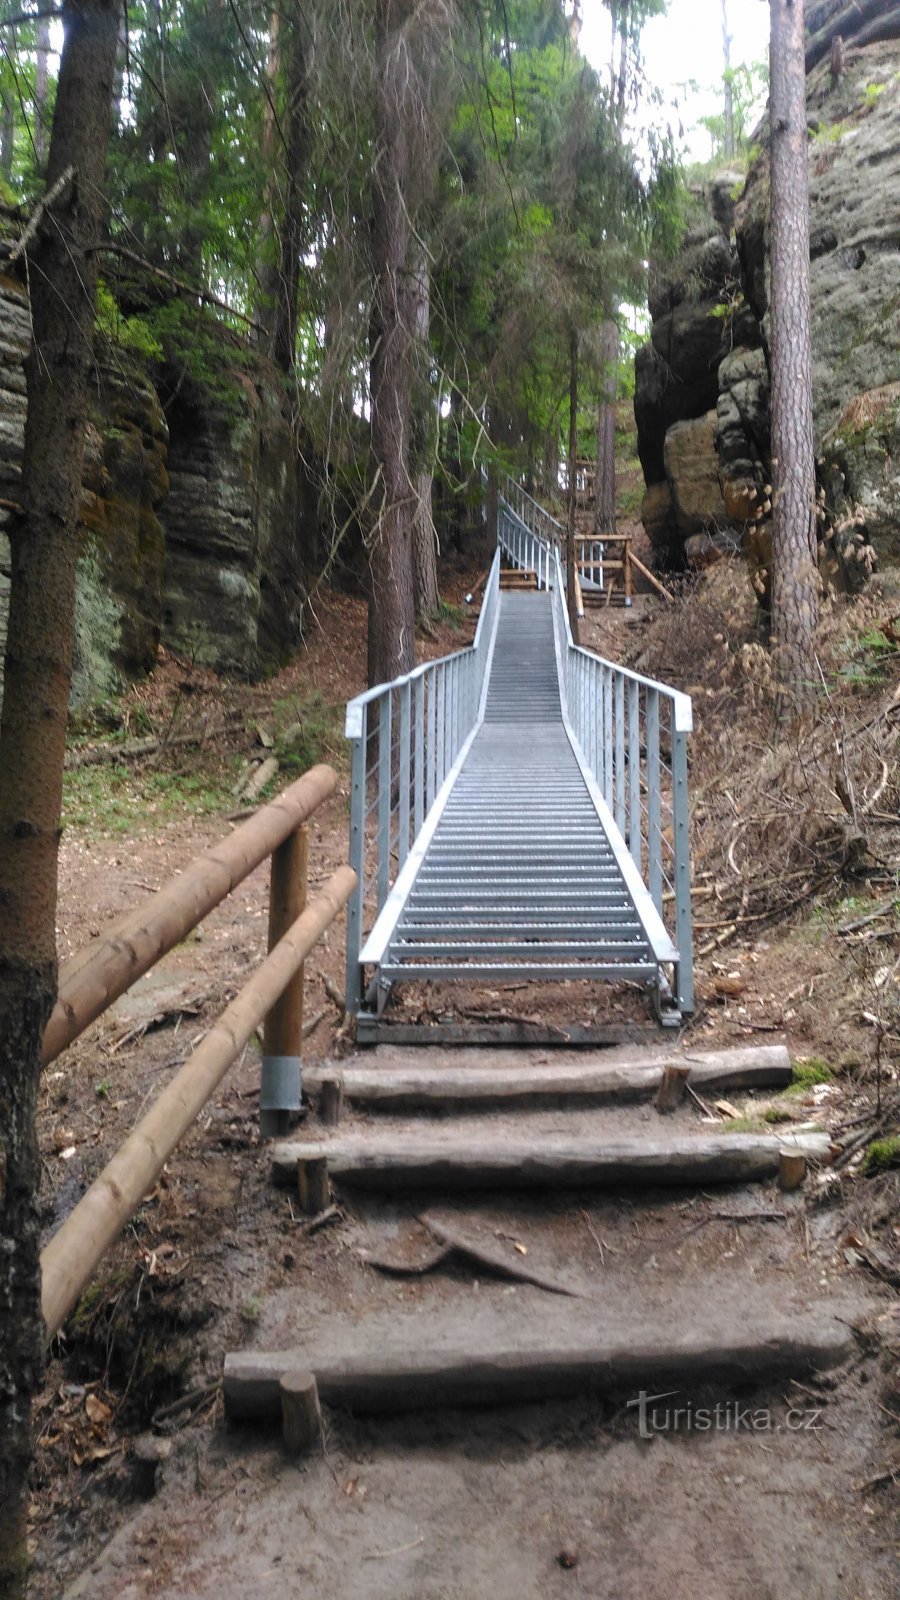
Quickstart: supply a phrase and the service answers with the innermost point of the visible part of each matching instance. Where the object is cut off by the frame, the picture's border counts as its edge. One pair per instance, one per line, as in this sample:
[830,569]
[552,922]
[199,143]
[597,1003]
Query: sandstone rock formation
[855,257]
[191,531]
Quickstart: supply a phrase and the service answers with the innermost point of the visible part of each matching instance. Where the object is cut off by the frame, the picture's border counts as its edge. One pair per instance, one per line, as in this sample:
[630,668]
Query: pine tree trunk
[391,638]
[41,90]
[795,579]
[7,134]
[727,83]
[572,486]
[292,229]
[605,486]
[35,705]
[424,536]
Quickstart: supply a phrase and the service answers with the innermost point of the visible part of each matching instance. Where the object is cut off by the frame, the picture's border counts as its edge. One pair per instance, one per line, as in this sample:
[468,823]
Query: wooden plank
[370,1031]
[409,1372]
[420,1086]
[412,1160]
[651,578]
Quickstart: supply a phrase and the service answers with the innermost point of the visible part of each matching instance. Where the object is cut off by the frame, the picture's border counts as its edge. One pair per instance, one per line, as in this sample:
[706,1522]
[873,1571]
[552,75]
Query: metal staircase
[504,801]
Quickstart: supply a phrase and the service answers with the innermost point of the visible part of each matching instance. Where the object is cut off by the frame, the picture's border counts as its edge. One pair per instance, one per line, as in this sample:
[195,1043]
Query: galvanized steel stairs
[520,878]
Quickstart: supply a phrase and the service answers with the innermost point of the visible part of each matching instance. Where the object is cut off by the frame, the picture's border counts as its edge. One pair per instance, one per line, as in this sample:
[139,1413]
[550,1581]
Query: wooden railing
[99,974]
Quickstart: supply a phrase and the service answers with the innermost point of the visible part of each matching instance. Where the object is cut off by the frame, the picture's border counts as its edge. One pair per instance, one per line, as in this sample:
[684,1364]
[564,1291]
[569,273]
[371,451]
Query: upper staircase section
[519,809]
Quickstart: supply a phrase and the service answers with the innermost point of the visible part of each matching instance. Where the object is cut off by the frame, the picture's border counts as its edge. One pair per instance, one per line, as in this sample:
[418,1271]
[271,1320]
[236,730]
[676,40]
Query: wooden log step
[420,1087]
[407,1364]
[416,1160]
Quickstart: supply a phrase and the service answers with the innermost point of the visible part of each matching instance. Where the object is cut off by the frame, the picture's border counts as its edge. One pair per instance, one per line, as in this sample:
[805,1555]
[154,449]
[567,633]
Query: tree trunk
[728,85]
[425,547]
[7,133]
[292,230]
[42,90]
[391,641]
[35,704]
[795,579]
[605,486]
[572,486]
[272,161]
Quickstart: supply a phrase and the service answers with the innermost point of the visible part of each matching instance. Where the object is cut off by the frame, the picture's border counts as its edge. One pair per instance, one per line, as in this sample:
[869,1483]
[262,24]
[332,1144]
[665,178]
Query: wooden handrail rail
[103,970]
[69,1260]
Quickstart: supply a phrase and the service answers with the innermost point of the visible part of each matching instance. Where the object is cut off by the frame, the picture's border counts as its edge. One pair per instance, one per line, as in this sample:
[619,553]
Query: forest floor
[456,1504]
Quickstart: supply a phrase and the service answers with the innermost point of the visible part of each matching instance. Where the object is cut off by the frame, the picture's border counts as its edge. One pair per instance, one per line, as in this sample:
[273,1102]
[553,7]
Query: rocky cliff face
[190,528]
[233,565]
[854,154]
[121,562]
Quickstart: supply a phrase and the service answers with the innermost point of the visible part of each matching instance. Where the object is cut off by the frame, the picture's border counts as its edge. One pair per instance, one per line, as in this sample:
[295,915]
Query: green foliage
[136,333]
[883,1155]
[112,798]
[806,1074]
[872,658]
[749,84]
[308,729]
[832,132]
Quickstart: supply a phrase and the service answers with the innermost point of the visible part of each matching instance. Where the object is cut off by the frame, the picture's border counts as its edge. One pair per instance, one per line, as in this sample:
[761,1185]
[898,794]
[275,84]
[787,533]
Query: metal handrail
[525,548]
[529,511]
[625,726]
[407,739]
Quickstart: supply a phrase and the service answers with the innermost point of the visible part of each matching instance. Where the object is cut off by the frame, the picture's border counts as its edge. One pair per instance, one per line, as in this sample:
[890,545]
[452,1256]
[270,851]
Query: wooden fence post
[279,1092]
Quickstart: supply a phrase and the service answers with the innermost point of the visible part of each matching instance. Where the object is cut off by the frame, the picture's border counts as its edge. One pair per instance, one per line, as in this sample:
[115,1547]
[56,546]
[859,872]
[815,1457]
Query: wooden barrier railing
[94,978]
[104,969]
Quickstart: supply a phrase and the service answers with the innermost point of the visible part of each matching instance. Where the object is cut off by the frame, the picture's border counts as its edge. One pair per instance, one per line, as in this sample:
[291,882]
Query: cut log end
[331,1102]
[672,1089]
[313,1186]
[301,1417]
[791,1170]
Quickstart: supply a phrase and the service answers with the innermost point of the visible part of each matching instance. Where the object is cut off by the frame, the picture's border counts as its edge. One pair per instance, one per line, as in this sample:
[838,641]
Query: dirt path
[538,1500]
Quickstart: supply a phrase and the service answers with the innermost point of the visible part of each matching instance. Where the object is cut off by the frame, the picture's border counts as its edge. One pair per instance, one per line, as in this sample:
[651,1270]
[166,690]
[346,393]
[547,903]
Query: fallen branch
[313,1224]
[884,910]
[451,1242]
[179,284]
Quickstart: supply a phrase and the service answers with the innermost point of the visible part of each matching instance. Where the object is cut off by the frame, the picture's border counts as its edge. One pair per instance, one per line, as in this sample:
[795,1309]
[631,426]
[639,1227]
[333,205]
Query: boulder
[692,471]
[742,432]
[676,377]
[658,516]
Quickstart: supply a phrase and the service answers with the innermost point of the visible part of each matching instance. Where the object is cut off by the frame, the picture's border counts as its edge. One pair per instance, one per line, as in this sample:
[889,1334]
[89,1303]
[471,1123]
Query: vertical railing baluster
[634,772]
[684,922]
[654,809]
[608,737]
[441,675]
[352,984]
[620,752]
[431,738]
[419,752]
[404,774]
[384,797]
[684,993]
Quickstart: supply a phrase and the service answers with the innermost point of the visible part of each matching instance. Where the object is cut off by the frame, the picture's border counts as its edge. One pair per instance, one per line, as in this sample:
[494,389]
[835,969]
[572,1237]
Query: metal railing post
[654,804]
[419,753]
[683,918]
[353,983]
[404,774]
[634,772]
[620,754]
[384,799]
